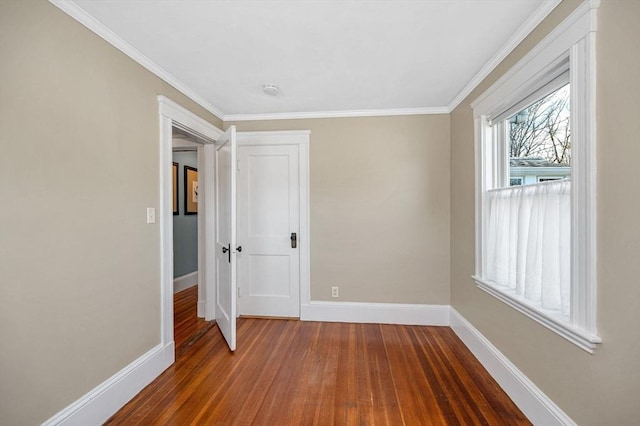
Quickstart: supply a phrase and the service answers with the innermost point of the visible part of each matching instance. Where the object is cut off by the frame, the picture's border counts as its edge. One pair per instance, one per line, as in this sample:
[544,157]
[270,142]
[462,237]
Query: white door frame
[301,138]
[173,115]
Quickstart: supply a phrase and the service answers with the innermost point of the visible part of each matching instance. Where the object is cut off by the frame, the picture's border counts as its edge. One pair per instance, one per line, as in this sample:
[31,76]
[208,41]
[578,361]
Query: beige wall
[603,388]
[379,206]
[79,277]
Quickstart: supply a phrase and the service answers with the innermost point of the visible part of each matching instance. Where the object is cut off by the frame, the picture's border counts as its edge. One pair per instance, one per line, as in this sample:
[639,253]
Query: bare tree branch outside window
[543,129]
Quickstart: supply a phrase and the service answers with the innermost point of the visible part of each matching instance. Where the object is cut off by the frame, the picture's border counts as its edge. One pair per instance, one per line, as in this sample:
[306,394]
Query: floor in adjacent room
[187,327]
[304,373]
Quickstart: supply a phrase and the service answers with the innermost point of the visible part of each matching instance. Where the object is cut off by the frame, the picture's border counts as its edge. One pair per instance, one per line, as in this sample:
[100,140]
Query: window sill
[580,338]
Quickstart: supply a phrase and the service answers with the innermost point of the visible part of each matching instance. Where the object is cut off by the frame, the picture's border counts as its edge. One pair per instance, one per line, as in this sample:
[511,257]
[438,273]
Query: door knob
[239,248]
[294,240]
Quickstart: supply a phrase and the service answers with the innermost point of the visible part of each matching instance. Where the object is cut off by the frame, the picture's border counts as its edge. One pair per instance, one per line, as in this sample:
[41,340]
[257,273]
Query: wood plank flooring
[187,326]
[312,373]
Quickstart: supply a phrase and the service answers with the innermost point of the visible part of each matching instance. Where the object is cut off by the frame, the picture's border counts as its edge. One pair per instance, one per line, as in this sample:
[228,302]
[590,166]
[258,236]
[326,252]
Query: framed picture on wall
[190,190]
[174,169]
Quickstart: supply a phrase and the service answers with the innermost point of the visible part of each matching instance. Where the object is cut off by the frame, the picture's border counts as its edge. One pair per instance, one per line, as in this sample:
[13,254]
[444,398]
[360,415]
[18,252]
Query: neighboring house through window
[528,170]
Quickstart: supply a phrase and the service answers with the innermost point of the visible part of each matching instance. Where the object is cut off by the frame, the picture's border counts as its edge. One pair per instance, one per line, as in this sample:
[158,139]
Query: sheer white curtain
[528,243]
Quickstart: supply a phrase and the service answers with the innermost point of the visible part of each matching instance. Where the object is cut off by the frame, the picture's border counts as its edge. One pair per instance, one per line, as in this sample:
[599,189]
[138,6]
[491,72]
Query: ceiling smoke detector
[271,89]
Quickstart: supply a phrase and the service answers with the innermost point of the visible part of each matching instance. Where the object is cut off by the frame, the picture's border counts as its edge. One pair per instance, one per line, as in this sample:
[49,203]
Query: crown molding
[525,29]
[337,114]
[574,27]
[80,15]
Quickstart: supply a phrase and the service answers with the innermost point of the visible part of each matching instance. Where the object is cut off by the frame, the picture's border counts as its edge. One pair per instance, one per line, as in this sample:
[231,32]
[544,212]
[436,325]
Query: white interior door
[225,161]
[269,230]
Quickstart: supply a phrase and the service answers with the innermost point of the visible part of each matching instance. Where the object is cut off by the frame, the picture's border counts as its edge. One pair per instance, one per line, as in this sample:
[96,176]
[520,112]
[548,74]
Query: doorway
[189,293]
[173,117]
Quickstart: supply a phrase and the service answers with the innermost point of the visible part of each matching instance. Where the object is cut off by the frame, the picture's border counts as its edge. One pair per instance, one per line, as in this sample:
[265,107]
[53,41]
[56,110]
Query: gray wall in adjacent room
[185,227]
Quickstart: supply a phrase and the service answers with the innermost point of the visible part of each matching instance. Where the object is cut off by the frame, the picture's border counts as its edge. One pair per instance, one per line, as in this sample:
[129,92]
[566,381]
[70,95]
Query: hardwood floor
[312,373]
[187,327]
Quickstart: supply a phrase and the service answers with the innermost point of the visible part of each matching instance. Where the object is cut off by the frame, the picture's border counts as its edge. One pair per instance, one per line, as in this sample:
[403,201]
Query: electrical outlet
[335,292]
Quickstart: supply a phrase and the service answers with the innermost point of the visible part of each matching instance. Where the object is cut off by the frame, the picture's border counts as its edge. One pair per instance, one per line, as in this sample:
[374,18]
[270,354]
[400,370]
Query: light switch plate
[151,215]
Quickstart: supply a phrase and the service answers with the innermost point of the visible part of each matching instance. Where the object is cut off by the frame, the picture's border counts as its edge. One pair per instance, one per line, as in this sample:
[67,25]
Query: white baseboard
[537,406]
[377,313]
[102,402]
[185,281]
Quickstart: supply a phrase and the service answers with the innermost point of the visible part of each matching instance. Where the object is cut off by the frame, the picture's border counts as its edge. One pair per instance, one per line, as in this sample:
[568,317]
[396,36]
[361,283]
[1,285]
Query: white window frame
[572,43]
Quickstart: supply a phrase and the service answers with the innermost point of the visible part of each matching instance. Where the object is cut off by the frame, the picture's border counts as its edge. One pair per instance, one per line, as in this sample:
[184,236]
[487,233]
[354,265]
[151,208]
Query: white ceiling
[327,57]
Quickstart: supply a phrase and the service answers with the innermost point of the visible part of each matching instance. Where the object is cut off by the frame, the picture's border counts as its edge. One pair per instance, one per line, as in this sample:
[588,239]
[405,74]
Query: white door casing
[225,251]
[268,228]
[173,115]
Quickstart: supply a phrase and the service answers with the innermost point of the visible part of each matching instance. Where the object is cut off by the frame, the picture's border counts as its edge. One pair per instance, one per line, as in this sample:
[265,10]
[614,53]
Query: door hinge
[239,292]
[238,165]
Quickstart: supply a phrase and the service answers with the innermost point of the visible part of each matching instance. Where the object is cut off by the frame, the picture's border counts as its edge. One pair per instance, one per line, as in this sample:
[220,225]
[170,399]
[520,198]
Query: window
[527,244]
[535,206]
